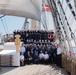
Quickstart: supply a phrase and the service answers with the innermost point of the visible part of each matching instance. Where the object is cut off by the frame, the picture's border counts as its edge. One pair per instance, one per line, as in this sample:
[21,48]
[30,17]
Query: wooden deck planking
[33,70]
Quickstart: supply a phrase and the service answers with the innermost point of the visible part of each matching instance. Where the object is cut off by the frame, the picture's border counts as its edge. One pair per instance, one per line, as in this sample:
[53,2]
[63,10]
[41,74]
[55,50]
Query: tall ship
[46,41]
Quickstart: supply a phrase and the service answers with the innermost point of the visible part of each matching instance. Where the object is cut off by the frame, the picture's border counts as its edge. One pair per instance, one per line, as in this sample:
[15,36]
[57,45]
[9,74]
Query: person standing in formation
[59,56]
[22,48]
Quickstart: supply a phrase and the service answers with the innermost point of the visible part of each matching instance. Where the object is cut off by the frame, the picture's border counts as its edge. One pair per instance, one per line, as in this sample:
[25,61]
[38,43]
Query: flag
[45,7]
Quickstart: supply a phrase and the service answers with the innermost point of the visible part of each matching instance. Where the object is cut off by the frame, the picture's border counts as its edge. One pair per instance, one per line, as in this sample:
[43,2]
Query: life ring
[51,36]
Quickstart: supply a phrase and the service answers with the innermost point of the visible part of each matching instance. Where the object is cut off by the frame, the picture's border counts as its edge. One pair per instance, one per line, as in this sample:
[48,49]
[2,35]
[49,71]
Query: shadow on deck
[33,70]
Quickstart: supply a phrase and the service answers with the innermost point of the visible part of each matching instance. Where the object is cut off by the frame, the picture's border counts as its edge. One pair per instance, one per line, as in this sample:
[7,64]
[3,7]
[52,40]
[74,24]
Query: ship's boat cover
[23,8]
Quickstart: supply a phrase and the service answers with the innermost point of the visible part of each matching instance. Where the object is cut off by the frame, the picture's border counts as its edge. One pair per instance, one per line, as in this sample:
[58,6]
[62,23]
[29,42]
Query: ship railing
[8,38]
[69,62]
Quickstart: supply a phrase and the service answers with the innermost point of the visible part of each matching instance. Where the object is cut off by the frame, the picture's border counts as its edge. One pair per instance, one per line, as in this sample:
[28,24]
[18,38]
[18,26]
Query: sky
[12,23]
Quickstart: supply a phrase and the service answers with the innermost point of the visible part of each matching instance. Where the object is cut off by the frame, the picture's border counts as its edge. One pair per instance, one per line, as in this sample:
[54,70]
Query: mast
[27,26]
[35,25]
[24,26]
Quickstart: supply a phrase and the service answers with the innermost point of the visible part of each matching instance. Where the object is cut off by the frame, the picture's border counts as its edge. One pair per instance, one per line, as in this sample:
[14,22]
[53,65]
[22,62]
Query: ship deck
[33,70]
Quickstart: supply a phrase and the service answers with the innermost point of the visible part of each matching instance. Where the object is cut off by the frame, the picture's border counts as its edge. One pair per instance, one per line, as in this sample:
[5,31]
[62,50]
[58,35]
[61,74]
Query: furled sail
[23,8]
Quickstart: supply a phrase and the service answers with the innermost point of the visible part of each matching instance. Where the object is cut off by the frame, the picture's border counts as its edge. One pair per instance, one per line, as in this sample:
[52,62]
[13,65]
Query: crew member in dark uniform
[59,56]
[36,57]
[29,58]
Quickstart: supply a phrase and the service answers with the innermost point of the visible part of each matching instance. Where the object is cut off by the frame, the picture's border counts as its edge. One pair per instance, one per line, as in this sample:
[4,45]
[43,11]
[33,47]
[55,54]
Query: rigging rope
[72,20]
[64,28]
[62,2]
[71,8]
[75,4]
[67,23]
[3,23]
[58,25]
[2,16]
[60,19]
[64,16]
[64,11]
[4,26]
[54,14]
